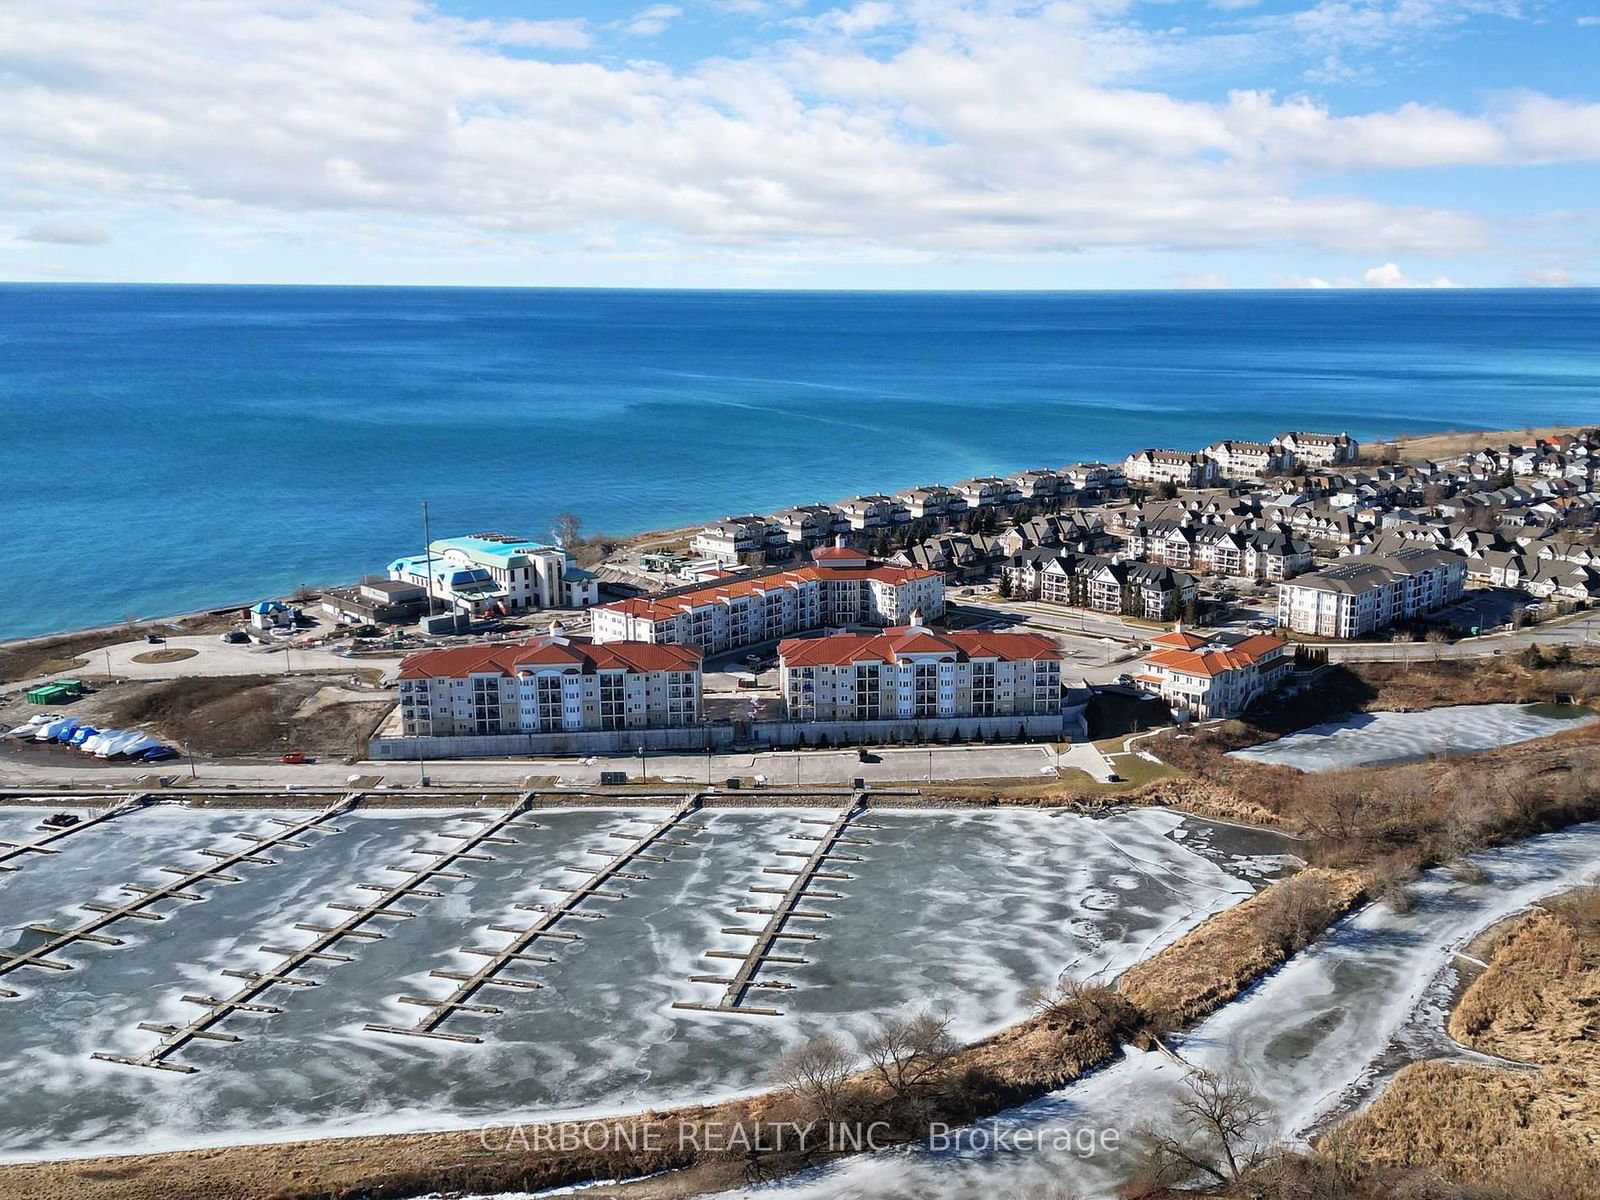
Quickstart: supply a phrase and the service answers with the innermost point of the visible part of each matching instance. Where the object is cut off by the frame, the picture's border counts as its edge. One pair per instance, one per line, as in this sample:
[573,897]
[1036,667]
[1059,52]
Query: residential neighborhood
[1185,577]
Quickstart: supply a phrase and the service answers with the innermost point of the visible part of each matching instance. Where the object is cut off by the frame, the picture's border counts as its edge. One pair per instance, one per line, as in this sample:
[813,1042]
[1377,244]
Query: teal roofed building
[488,573]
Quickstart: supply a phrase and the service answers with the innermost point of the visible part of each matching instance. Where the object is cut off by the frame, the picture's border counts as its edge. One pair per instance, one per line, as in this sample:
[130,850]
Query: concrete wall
[719,737]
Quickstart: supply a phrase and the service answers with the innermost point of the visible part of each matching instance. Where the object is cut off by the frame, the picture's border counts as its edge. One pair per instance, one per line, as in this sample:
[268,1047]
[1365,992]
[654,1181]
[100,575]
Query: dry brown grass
[1210,965]
[1539,1003]
[242,715]
[1439,445]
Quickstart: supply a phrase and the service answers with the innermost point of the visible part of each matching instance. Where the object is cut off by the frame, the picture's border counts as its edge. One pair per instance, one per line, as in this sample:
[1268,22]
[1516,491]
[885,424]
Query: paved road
[1584,630]
[56,768]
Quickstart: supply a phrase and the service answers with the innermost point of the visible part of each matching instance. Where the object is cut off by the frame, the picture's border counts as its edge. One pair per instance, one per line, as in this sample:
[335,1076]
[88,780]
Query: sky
[801,143]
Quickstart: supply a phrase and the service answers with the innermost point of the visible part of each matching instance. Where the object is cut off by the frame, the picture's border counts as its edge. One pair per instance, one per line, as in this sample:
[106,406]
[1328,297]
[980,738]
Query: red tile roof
[1211,663]
[840,649]
[655,608]
[461,661]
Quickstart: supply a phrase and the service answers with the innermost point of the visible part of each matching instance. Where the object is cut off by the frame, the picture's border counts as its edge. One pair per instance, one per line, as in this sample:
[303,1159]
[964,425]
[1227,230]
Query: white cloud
[546,35]
[1007,129]
[1388,275]
[650,22]
[65,232]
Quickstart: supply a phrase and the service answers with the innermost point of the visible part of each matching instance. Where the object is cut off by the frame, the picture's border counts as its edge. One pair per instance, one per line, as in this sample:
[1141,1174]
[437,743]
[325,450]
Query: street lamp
[641,764]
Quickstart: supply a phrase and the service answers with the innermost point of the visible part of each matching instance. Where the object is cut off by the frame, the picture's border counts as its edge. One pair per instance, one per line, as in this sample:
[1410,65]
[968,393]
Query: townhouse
[932,502]
[808,525]
[1242,552]
[1210,676]
[750,541]
[840,587]
[1363,593]
[873,512]
[988,491]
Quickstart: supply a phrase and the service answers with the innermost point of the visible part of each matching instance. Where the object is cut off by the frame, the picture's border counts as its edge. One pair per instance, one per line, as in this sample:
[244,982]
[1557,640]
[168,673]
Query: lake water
[169,448]
[1367,739]
[960,910]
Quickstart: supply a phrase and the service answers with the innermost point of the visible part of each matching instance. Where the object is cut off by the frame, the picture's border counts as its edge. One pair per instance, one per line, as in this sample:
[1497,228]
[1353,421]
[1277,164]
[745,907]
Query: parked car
[235,636]
[155,639]
[294,756]
[158,754]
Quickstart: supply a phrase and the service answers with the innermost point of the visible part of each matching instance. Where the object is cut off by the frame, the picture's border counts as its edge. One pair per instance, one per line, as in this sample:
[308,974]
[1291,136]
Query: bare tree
[1295,910]
[815,1074]
[566,530]
[1076,1000]
[1212,1133]
[906,1054]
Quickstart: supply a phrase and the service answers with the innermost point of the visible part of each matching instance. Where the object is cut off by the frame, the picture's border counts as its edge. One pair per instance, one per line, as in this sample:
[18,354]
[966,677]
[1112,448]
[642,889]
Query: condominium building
[1113,585]
[1248,460]
[841,587]
[552,684]
[1208,676]
[1319,449]
[1363,593]
[1170,466]
[488,572]
[916,673]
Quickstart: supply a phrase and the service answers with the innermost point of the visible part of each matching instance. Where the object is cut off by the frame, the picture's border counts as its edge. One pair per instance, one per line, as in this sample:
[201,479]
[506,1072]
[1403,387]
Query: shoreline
[1437,444]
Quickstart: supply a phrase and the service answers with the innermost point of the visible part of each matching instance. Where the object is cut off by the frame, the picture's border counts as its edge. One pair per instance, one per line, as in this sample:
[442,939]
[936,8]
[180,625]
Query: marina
[119,1051]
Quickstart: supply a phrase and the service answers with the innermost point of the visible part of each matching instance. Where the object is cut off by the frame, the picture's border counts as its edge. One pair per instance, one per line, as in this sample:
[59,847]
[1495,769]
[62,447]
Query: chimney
[558,632]
[916,618]
[839,541]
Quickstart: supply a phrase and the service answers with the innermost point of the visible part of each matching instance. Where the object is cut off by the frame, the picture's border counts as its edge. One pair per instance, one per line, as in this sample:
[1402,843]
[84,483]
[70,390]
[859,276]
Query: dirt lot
[237,716]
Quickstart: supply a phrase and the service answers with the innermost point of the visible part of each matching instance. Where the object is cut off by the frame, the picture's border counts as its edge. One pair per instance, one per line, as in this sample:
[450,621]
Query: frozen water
[1389,737]
[963,909]
[1313,1038]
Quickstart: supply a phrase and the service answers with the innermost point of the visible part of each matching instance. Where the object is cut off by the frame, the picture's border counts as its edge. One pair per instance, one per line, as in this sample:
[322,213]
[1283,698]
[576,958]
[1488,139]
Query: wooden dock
[42,845]
[768,937]
[146,898]
[246,999]
[523,938]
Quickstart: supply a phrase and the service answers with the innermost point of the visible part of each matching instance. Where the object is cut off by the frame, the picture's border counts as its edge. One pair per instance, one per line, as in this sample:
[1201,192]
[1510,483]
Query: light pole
[108,666]
[189,750]
[641,764]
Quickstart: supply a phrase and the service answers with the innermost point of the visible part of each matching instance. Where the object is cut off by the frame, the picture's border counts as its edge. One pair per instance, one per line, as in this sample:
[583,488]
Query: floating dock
[43,845]
[768,937]
[180,889]
[518,949]
[246,999]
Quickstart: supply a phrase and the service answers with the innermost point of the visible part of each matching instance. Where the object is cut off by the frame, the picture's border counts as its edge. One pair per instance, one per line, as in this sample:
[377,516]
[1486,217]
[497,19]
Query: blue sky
[799,143]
